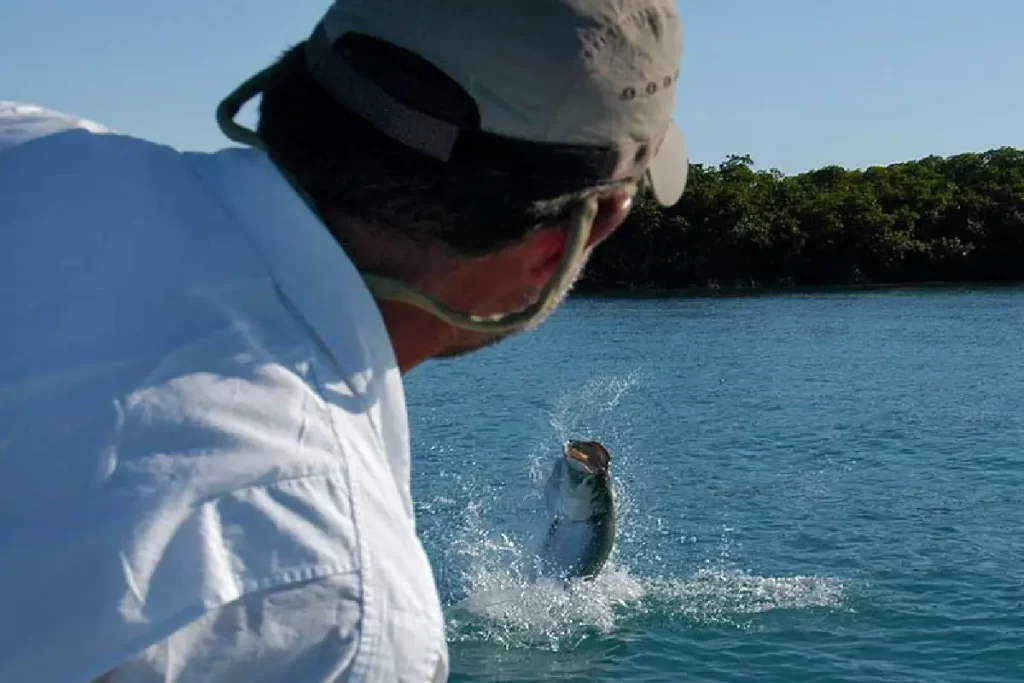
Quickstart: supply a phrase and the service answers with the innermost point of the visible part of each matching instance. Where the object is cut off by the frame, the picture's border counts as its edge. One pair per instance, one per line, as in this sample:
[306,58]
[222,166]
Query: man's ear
[542,252]
[538,254]
[546,245]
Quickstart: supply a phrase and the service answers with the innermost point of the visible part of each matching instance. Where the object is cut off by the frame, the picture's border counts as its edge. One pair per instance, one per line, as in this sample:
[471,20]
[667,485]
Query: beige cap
[581,89]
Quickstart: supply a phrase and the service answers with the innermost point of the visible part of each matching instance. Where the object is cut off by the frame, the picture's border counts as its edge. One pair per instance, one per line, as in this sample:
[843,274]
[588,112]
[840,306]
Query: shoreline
[640,292]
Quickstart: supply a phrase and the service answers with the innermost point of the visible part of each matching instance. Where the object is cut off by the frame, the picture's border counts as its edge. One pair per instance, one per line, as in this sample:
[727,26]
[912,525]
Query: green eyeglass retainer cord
[580,225]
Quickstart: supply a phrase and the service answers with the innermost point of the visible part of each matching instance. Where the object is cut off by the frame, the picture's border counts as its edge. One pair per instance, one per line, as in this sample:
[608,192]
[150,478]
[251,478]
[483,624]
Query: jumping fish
[581,504]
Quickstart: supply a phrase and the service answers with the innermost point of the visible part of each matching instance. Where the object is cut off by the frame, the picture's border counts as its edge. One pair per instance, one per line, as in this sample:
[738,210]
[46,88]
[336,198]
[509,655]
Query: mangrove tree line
[959,218]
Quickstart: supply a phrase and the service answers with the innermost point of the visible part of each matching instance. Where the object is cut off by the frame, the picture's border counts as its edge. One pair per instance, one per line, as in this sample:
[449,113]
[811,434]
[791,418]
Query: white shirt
[204,450]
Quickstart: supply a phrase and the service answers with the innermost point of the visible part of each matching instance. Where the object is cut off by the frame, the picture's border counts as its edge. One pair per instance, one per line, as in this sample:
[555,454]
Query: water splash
[497,604]
[582,413]
[509,612]
[485,572]
[584,408]
[719,595]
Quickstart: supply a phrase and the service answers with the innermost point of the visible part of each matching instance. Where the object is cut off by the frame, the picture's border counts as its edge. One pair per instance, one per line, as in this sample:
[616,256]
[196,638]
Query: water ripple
[814,488]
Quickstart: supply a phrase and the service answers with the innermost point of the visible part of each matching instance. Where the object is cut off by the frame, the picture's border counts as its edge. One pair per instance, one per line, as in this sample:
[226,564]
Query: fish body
[580,501]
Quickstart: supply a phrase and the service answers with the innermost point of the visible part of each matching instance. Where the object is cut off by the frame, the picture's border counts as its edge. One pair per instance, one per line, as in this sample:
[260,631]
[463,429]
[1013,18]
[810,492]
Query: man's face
[513,278]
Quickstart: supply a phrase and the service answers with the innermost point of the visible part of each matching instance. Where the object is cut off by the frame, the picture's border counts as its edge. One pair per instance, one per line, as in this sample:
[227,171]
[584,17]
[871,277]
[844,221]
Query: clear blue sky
[796,84]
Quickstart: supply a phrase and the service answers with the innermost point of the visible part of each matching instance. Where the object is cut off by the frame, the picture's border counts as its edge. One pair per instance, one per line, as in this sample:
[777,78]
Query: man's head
[450,145]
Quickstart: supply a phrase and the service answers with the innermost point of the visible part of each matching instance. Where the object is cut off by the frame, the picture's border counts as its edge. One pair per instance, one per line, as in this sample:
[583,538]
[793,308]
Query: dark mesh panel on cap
[366,99]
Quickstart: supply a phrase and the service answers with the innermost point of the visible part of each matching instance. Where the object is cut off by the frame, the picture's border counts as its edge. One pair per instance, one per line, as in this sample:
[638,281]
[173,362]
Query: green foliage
[935,219]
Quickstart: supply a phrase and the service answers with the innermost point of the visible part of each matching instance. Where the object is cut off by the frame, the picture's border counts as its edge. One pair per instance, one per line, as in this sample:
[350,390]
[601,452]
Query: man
[202,421]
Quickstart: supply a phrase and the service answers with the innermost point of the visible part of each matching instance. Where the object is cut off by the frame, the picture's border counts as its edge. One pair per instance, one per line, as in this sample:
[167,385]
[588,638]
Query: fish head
[587,458]
[579,487]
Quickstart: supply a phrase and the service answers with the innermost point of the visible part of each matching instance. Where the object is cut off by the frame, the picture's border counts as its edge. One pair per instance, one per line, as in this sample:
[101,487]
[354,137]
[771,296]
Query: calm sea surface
[822,487]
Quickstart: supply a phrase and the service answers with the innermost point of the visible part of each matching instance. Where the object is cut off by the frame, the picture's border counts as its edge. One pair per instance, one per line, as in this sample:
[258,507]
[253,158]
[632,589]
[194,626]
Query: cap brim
[667,172]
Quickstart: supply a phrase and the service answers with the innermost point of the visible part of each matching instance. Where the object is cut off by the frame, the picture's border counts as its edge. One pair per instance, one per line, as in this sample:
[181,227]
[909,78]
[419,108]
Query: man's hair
[341,159]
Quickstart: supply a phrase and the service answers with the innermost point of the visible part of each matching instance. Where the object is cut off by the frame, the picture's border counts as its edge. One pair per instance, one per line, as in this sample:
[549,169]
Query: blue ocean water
[821,487]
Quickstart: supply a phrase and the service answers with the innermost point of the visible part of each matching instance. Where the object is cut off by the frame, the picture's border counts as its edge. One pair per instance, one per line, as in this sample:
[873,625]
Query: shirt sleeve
[304,632]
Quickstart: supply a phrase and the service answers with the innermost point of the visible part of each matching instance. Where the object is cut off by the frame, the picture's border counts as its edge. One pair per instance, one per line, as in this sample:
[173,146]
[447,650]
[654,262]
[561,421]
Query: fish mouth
[590,456]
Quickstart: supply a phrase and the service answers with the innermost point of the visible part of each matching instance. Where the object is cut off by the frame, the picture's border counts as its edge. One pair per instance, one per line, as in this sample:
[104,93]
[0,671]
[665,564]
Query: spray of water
[492,598]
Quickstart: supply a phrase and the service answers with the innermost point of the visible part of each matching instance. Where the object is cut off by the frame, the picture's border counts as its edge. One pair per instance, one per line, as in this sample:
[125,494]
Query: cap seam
[571,77]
